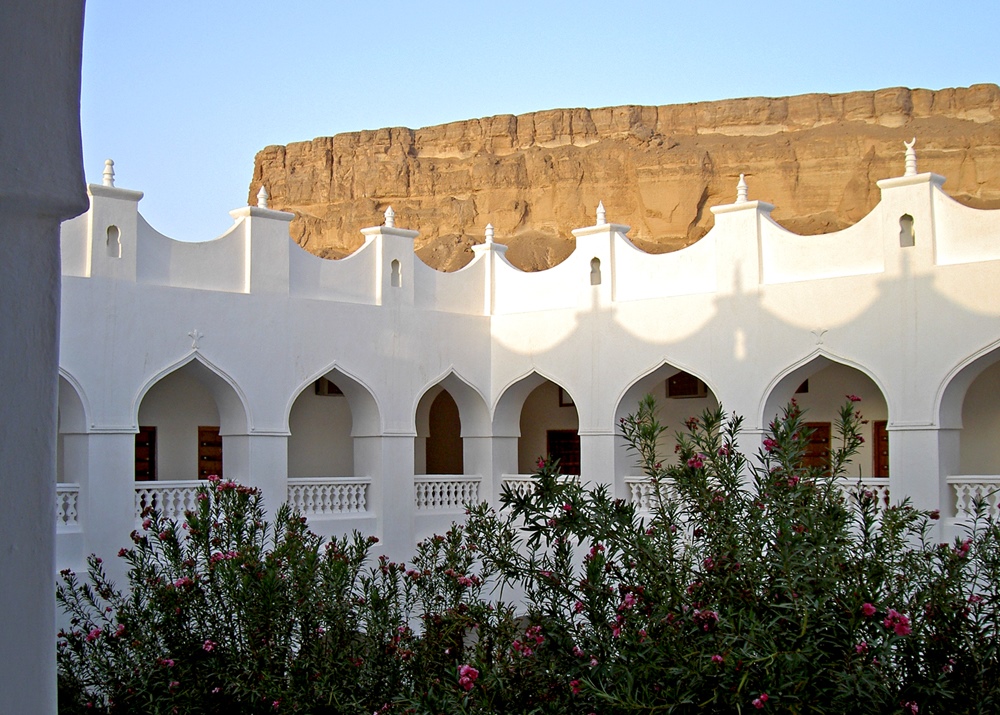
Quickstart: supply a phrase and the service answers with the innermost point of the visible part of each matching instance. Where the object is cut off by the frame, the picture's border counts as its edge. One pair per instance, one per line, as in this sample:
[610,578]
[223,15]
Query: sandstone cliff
[537,176]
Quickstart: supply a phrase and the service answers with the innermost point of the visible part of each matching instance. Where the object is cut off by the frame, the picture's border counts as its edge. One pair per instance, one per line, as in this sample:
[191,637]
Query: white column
[261,461]
[388,460]
[107,497]
[597,460]
[41,183]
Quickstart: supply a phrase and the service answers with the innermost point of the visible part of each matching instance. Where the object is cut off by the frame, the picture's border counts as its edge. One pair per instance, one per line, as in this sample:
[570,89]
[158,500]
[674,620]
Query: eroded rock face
[537,176]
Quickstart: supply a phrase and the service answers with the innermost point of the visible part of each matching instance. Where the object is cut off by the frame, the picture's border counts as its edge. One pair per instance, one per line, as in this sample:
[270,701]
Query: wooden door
[818,450]
[209,452]
[880,449]
[145,455]
[564,445]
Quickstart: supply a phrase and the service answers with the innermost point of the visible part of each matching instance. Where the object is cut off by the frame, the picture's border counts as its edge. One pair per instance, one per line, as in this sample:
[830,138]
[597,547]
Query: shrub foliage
[755,583]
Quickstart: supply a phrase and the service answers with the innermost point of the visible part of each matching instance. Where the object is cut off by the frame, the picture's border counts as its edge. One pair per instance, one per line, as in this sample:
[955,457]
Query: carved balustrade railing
[171,499]
[446,492]
[67,498]
[329,496]
[967,488]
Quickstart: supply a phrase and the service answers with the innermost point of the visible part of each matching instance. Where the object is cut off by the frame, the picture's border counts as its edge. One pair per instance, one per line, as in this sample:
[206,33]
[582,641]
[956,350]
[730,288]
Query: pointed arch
[968,413]
[471,402]
[649,383]
[543,418]
[366,413]
[74,409]
[820,384]
[671,412]
[507,409]
[234,410]
[951,392]
[782,388]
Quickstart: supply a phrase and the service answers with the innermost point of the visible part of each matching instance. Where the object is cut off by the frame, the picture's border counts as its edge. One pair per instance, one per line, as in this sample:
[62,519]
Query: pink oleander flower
[535,633]
[909,707]
[574,685]
[861,647]
[770,444]
[166,662]
[717,659]
[578,607]
[616,631]
[628,602]
[578,651]
[853,398]
[146,523]
[696,462]
[567,507]
[759,701]
[897,623]
[93,635]
[868,609]
[467,677]
[208,646]
[120,630]
[963,548]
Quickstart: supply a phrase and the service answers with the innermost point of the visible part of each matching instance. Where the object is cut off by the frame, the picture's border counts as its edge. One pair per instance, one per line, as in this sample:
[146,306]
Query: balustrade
[329,496]
[67,497]
[438,492]
[171,499]
[967,488]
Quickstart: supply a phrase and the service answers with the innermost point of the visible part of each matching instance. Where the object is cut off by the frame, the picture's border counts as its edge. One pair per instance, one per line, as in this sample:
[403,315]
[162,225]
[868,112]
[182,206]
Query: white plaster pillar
[477,456]
[268,248]
[388,460]
[597,459]
[491,252]
[107,497]
[41,184]
[919,460]
[394,262]
[261,461]
[504,462]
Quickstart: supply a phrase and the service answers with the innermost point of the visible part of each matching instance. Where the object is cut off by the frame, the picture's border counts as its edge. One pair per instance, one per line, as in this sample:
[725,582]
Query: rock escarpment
[537,176]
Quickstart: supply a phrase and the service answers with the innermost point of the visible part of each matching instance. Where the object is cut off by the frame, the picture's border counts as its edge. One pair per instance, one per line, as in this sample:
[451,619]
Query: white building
[377,393]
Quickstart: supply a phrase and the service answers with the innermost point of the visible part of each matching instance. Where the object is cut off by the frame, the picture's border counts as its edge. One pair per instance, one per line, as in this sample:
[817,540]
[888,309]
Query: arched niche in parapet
[72,420]
[184,416]
[325,416]
[820,385]
[447,413]
[680,395]
[968,403]
[543,416]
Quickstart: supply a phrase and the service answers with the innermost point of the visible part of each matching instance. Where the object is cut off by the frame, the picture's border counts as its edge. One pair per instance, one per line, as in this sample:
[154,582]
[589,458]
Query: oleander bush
[756,583]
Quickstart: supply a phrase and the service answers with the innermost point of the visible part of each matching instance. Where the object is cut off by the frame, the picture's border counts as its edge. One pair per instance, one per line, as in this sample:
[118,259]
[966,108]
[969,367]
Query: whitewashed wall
[751,309]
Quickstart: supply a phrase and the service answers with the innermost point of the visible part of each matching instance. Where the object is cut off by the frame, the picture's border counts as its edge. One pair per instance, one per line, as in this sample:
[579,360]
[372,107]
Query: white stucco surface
[751,310]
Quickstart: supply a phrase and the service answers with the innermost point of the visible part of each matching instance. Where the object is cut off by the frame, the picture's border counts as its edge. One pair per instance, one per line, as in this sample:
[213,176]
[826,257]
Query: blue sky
[182,94]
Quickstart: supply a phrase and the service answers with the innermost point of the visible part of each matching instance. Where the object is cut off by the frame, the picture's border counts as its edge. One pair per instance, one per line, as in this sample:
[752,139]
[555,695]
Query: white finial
[741,190]
[390,218]
[602,215]
[489,233]
[109,172]
[911,158]
[262,198]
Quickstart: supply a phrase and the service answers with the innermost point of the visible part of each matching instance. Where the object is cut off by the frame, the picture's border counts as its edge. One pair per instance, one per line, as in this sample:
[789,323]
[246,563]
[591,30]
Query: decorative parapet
[745,248]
